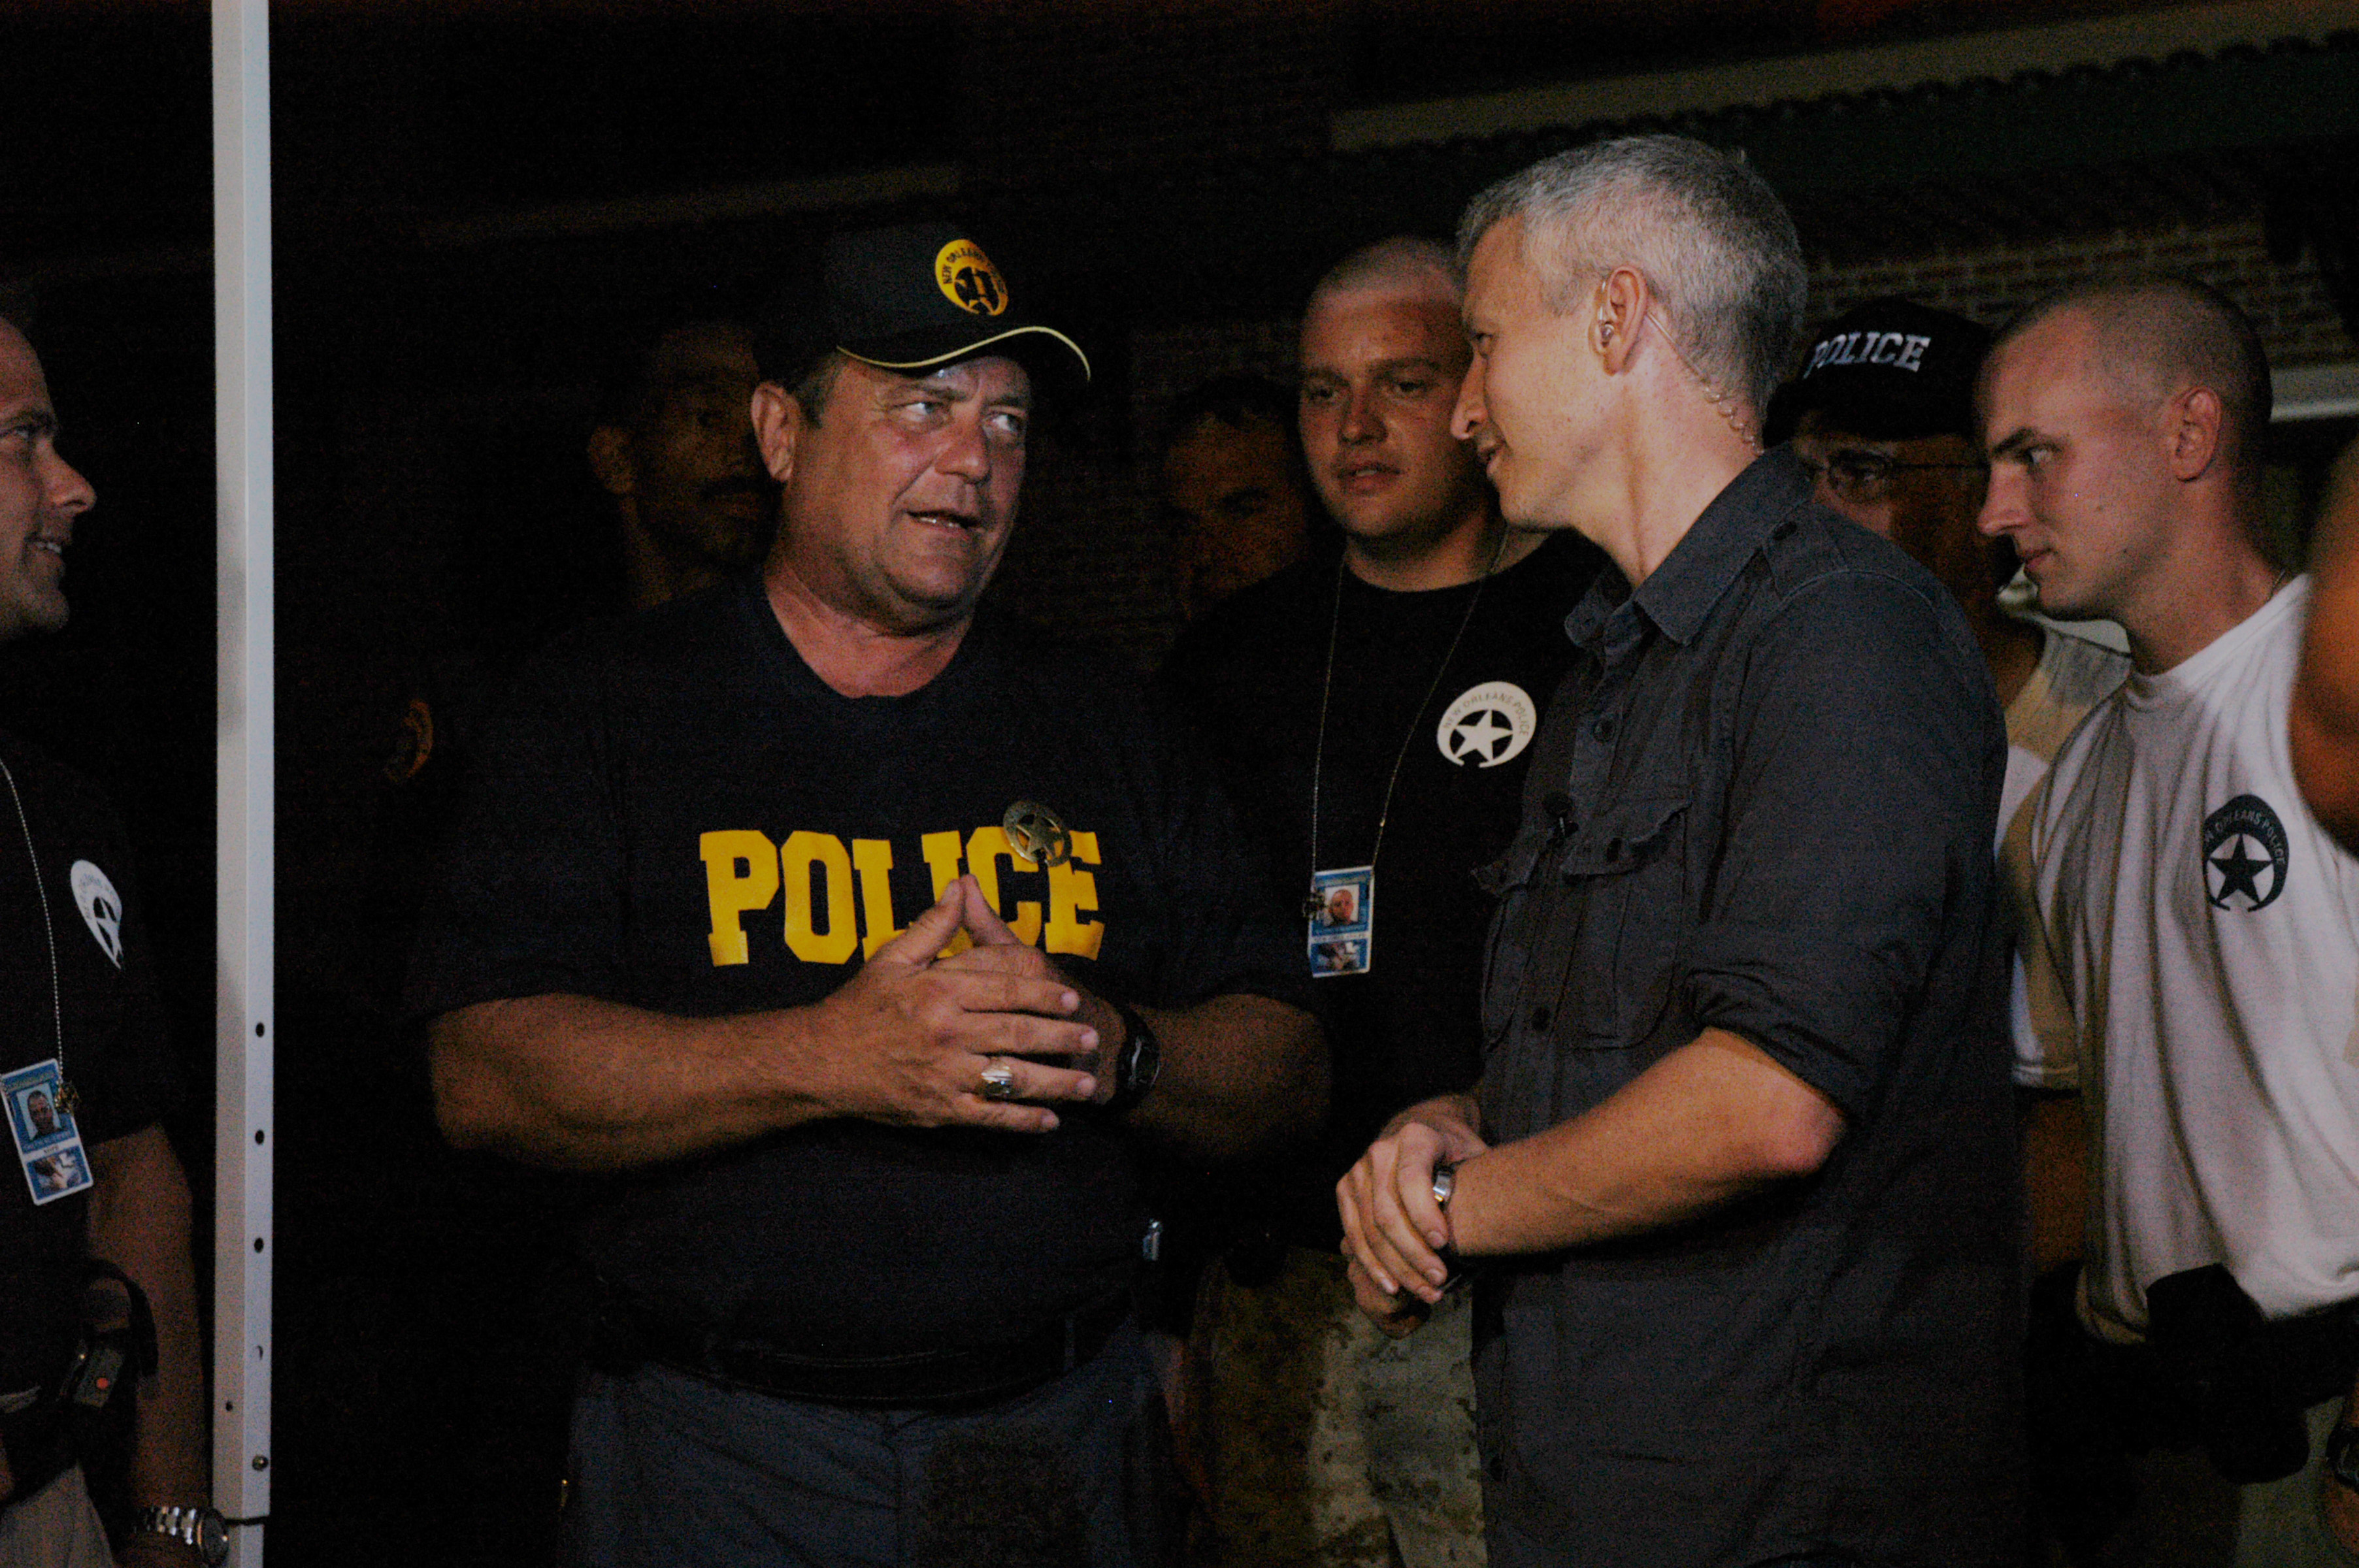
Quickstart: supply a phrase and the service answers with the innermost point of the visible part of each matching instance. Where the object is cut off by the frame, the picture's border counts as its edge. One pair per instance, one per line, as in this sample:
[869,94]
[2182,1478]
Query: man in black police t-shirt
[87,1075]
[858,937]
[1371,709]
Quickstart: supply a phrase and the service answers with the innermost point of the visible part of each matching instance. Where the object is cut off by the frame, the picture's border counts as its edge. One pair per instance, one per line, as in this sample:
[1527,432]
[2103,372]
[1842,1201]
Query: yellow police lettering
[733,892]
[1072,892]
[941,855]
[801,858]
[984,851]
[872,860]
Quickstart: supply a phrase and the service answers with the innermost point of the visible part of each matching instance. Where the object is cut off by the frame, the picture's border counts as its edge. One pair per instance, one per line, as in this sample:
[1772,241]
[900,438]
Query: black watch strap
[1140,1062]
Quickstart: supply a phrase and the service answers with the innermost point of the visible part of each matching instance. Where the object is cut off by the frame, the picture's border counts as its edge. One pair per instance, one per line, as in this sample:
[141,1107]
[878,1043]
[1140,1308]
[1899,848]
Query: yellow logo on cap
[968,280]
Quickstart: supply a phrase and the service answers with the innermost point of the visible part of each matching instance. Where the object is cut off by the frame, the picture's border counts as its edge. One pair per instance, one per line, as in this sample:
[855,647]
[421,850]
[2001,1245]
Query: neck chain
[1312,902]
[49,930]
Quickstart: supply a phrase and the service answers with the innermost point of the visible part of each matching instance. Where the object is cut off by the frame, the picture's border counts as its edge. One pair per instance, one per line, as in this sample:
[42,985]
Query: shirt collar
[1679,594]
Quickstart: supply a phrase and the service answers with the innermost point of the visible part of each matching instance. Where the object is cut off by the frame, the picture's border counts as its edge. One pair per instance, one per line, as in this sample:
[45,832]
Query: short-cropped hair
[1405,262]
[2160,334]
[1708,234]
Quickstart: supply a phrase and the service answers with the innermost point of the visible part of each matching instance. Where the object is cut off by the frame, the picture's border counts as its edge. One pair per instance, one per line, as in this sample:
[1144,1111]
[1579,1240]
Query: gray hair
[1708,234]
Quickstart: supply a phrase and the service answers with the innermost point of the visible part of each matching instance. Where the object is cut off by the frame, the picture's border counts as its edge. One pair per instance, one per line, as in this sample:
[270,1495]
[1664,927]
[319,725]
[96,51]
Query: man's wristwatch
[1445,1184]
[2343,1455]
[1137,1065]
[200,1528]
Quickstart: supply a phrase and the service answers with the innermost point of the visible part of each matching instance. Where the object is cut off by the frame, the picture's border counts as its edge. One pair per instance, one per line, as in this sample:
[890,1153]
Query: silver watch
[202,1528]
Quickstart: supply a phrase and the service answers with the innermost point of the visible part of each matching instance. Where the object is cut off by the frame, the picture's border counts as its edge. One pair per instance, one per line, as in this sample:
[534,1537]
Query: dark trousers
[669,1468]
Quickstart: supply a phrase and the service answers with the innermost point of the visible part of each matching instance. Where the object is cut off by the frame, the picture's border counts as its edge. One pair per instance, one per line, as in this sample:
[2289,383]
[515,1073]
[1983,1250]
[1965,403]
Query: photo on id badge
[48,1144]
[1343,933]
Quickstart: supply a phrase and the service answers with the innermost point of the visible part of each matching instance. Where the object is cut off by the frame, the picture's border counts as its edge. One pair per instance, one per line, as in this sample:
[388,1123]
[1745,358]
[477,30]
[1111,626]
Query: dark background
[470,197]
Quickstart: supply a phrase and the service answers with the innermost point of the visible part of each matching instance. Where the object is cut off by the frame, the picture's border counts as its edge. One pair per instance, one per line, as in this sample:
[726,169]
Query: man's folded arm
[1710,1123]
[581,1083]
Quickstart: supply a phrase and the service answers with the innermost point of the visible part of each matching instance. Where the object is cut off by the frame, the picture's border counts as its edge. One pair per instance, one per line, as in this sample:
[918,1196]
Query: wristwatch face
[202,1528]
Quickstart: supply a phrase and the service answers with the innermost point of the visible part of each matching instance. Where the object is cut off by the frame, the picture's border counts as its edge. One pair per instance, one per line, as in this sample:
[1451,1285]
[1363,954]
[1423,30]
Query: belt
[925,1378]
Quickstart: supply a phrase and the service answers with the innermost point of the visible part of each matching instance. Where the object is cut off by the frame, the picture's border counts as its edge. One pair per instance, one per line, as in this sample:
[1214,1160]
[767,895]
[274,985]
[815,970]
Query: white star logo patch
[100,906]
[1486,725]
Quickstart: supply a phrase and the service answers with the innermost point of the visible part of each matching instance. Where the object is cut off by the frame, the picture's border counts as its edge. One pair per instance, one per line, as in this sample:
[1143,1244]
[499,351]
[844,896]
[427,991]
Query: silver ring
[999,1081]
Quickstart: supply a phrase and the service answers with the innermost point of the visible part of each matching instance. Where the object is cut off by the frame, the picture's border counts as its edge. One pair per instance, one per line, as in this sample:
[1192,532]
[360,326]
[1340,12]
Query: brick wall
[2289,304]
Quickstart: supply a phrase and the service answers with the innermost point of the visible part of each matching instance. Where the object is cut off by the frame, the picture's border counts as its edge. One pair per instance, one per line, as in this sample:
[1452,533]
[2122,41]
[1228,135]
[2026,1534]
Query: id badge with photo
[1343,923]
[41,1121]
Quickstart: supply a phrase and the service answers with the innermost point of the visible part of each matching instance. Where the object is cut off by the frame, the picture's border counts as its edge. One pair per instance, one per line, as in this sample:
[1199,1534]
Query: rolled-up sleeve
[1862,799]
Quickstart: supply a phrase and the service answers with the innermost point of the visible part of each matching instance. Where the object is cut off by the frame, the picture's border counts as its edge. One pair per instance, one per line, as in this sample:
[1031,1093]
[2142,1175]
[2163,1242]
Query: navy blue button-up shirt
[1763,802]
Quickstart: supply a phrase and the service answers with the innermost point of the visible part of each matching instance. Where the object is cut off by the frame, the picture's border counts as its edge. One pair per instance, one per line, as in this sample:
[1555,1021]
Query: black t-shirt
[1251,674]
[105,1007]
[682,816]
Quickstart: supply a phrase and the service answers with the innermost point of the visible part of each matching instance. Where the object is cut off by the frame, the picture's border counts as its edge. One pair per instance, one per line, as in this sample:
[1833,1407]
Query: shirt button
[1602,730]
[1539,1019]
[1495,1467]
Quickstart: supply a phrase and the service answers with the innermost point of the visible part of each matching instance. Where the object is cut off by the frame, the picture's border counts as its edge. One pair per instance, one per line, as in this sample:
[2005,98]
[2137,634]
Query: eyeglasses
[1866,476]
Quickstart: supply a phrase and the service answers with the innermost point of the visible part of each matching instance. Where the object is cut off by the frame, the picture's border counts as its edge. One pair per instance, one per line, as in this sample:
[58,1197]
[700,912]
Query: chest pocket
[1514,930]
[1624,877]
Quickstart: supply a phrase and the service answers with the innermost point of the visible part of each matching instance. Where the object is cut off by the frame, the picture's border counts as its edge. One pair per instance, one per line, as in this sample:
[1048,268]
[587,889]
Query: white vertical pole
[246,848]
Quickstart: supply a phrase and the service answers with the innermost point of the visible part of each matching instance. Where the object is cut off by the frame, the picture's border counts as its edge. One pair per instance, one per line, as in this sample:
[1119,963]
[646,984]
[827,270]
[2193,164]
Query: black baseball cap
[1887,371]
[910,298]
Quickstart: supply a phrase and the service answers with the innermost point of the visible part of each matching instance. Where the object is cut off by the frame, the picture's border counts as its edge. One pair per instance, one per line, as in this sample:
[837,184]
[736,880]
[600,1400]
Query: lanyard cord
[49,930]
[1327,691]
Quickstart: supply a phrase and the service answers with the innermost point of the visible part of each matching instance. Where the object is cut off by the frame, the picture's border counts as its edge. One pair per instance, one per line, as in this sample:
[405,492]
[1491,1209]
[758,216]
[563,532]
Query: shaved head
[1384,351]
[1403,265]
[2157,337]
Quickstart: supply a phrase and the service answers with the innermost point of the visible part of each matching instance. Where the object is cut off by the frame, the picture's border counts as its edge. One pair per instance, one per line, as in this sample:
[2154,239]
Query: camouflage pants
[1329,1445]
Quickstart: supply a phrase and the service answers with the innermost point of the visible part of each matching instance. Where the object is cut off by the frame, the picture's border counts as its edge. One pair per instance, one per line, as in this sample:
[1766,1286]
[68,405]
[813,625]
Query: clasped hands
[911,1035]
[1393,1232]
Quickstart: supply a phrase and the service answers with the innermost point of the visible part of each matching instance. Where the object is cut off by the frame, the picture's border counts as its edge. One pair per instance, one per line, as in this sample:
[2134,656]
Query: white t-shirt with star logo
[2205,931]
